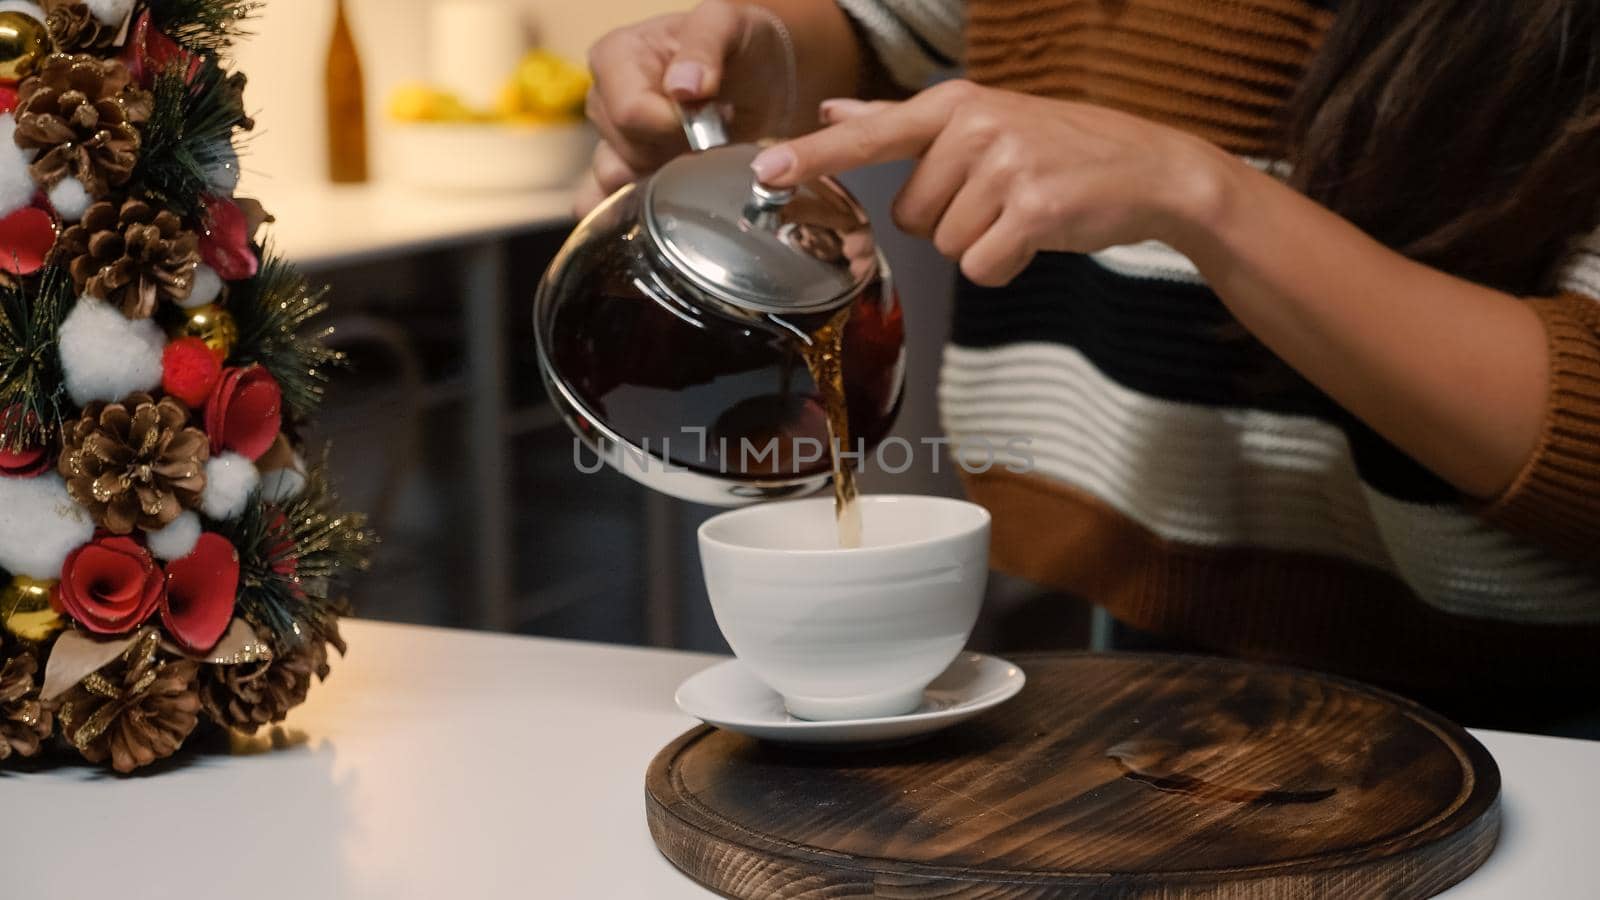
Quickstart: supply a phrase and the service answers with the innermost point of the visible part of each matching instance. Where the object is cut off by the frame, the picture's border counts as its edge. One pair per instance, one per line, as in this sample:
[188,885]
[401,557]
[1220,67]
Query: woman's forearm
[1451,372]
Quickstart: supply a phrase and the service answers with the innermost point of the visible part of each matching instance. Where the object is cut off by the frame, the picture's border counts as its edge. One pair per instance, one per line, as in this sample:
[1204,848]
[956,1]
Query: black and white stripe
[1124,373]
[913,39]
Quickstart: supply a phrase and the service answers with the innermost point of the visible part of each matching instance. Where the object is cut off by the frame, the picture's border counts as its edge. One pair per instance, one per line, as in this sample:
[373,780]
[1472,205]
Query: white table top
[324,226]
[441,764]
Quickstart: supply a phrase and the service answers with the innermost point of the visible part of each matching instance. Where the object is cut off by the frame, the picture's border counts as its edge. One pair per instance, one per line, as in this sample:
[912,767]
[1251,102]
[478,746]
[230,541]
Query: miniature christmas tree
[169,559]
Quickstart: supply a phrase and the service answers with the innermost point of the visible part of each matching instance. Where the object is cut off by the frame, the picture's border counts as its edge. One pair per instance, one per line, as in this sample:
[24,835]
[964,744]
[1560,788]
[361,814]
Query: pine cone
[246,697]
[136,463]
[136,710]
[81,113]
[25,721]
[73,27]
[133,257]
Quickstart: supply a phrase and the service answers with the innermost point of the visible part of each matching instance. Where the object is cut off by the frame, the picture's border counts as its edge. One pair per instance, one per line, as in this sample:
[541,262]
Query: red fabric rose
[149,51]
[26,237]
[110,585]
[245,412]
[190,371]
[201,589]
[26,458]
[225,240]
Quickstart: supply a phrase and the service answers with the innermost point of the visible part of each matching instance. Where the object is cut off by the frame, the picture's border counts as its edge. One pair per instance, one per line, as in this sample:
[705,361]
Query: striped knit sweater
[1173,486]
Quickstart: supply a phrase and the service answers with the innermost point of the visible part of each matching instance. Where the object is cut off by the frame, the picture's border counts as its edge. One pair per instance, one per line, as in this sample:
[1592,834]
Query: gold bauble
[25,609]
[212,324]
[22,44]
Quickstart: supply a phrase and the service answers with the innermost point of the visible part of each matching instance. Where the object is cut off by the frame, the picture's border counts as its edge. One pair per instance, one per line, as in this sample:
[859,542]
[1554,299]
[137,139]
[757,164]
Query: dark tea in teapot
[723,342]
[747,399]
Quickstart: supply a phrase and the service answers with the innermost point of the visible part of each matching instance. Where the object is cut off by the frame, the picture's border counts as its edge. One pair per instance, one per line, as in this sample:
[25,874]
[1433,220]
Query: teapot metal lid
[805,250]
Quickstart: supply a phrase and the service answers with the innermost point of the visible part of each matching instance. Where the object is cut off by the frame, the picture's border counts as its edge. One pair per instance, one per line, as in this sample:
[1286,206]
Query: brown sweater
[1162,483]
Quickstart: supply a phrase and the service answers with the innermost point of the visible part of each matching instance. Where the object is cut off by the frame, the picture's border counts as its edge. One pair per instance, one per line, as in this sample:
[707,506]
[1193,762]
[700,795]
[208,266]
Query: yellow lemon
[551,86]
[412,103]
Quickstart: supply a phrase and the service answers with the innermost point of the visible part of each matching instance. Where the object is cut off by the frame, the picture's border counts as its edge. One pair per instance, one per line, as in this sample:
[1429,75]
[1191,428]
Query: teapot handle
[703,125]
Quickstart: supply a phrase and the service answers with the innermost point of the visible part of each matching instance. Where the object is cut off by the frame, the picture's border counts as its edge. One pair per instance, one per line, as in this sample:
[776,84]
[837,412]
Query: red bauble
[245,412]
[110,585]
[26,237]
[225,240]
[201,589]
[25,463]
[190,371]
[29,459]
[8,98]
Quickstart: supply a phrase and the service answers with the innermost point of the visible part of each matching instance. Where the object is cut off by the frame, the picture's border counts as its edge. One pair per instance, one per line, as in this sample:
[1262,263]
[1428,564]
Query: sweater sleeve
[1555,500]
[913,39]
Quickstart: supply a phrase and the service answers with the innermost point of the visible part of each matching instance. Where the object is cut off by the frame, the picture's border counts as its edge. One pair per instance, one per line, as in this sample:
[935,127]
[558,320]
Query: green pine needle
[191,128]
[294,558]
[30,365]
[272,311]
[203,25]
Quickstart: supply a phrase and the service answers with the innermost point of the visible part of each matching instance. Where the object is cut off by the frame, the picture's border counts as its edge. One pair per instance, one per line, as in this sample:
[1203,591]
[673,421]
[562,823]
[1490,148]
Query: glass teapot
[672,326]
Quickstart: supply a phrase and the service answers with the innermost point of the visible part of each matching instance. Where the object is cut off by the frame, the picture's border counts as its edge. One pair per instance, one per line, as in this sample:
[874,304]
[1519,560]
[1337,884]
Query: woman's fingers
[842,109]
[944,170]
[606,174]
[710,32]
[610,170]
[626,104]
[878,133]
[900,132]
[1001,253]
[641,71]
[970,216]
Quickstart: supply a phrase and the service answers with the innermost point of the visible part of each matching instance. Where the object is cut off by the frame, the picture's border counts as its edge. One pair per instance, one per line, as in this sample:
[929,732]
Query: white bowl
[847,634]
[483,157]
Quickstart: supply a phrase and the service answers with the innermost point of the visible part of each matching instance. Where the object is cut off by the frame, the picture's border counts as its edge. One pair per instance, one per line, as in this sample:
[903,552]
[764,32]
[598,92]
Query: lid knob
[765,205]
[749,246]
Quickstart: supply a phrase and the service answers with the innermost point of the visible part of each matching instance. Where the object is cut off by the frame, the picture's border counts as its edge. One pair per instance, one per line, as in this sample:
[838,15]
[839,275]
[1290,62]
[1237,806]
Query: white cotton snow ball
[70,199]
[177,540]
[281,485]
[229,480]
[223,170]
[24,7]
[207,288]
[39,525]
[106,355]
[16,182]
[110,12]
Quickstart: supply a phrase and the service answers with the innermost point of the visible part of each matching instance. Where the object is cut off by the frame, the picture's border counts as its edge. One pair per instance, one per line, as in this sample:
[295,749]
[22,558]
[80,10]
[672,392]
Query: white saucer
[728,695]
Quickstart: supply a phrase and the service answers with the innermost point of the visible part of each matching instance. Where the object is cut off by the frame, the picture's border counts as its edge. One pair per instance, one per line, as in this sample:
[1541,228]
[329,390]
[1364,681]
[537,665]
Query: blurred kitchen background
[441,428]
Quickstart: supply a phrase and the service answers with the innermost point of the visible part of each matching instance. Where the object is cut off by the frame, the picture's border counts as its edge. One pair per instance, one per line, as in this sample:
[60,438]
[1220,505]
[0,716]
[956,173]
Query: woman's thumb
[709,33]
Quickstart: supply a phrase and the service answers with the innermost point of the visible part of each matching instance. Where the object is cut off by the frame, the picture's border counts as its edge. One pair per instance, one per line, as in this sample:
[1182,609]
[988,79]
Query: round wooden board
[1109,776]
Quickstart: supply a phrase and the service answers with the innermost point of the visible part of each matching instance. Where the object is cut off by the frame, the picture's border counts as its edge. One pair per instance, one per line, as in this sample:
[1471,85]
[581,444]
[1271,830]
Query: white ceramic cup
[848,634]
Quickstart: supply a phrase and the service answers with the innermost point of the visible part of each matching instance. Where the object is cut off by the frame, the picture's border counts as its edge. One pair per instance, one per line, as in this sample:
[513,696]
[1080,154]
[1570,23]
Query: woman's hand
[714,50]
[761,62]
[1002,176]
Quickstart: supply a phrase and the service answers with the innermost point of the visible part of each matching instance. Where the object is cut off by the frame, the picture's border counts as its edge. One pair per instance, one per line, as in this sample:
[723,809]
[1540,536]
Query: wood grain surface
[1109,776]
